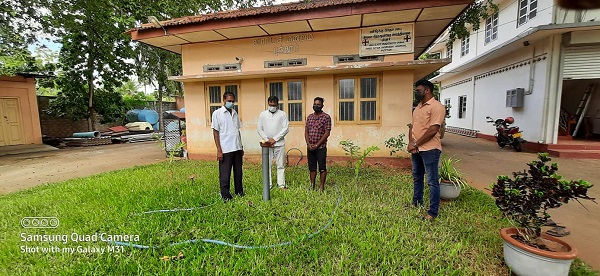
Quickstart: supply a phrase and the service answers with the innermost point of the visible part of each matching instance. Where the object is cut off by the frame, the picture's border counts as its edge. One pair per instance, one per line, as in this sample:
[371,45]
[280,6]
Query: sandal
[558,231]
[550,222]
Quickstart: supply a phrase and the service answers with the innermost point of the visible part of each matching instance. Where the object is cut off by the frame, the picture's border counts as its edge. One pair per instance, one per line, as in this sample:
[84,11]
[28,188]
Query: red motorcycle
[507,135]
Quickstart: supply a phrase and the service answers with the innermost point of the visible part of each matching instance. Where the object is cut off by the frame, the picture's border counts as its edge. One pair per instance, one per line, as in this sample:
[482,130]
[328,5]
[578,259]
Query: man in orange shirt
[425,146]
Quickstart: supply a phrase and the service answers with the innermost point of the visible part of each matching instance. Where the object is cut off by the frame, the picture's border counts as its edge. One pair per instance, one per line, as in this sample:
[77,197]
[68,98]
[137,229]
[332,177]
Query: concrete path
[483,160]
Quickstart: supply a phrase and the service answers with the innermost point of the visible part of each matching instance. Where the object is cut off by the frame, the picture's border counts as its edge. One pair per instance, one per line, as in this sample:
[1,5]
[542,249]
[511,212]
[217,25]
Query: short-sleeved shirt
[424,116]
[228,125]
[317,126]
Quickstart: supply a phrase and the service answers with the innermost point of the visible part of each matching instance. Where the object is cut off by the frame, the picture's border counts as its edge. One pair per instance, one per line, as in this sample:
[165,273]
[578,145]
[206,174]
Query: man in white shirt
[226,126]
[273,125]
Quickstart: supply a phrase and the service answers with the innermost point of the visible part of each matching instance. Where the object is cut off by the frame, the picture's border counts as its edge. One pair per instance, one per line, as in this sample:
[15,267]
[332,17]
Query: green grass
[372,232]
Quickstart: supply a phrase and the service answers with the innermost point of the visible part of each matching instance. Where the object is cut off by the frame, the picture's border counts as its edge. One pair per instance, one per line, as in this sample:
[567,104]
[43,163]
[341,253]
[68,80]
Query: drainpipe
[473,100]
[531,73]
[551,111]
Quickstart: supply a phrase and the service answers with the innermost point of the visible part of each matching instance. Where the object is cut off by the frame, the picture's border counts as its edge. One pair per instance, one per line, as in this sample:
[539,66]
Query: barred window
[291,97]
[462,107]
[215,96]
[357,99]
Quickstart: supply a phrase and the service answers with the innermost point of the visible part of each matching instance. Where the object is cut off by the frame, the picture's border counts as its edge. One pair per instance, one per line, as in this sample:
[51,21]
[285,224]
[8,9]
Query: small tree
[395,144]
[526,199]
[357,156]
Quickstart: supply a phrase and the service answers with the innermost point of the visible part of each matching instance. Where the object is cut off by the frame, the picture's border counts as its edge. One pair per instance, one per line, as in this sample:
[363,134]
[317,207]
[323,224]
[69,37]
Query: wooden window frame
[357,100]
[285,101]
[222,85]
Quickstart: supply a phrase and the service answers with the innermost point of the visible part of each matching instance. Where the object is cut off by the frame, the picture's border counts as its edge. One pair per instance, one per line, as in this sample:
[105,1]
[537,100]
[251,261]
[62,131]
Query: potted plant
[525,200]
[451,179]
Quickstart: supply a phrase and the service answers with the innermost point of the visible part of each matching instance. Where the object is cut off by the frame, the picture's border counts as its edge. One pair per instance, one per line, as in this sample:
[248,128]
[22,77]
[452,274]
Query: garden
[358,226]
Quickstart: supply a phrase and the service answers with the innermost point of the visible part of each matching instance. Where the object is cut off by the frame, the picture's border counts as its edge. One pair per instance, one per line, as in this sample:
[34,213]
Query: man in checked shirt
[318,128]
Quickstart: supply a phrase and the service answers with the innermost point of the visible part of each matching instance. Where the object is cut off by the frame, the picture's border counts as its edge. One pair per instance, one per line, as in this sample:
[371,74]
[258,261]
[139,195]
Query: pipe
[239,246]
[91,134]
[265,171]
[287,156]
[531,72]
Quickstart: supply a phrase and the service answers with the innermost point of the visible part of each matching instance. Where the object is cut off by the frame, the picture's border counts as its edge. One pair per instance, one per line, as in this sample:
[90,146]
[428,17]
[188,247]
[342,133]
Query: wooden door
[11,128]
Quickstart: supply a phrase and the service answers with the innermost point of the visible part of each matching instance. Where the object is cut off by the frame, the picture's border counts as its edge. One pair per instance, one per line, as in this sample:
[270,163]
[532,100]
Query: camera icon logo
[40,222]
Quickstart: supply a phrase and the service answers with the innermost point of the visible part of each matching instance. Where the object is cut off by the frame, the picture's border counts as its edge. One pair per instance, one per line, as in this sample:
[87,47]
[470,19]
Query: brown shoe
[283,188]
[428,218]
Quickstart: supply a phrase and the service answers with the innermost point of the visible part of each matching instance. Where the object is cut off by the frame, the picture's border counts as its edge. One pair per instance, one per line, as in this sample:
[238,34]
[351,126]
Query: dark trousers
[231,159]
[427,162]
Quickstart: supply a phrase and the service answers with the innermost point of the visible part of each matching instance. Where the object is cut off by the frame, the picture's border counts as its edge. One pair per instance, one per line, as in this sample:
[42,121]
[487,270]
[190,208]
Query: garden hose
[287,156]
[139,246]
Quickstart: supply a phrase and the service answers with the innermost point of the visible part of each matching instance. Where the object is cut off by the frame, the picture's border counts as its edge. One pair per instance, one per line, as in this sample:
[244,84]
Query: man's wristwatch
[415,144]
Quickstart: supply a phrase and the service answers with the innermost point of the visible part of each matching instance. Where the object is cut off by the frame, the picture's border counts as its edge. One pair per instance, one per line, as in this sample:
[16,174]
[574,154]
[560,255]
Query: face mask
[317,108]
[229,105]
[272,109]
[419,95]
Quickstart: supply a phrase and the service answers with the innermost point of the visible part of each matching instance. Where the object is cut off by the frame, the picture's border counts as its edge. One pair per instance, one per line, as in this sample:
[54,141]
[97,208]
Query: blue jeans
[427,162]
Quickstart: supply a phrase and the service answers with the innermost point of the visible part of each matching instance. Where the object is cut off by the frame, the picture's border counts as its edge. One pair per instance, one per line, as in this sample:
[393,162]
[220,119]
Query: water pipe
[266,176]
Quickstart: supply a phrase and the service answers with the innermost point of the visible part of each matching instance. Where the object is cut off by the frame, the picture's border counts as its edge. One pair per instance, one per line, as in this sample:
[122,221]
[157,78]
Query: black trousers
[231,160]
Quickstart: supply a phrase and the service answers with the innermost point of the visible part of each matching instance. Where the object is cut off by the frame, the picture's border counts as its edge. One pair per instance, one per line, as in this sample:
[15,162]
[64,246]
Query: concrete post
[265,171]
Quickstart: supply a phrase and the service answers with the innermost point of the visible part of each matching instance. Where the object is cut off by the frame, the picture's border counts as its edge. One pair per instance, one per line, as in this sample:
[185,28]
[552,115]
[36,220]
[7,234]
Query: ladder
[583,106]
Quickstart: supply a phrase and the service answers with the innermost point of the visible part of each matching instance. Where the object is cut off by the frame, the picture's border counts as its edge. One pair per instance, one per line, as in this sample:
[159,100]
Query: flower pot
[449,190]
[524,260]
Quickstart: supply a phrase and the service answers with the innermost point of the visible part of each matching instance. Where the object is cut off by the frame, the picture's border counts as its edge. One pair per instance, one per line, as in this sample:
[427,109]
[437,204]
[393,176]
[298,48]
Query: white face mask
[229,105]
[272,109]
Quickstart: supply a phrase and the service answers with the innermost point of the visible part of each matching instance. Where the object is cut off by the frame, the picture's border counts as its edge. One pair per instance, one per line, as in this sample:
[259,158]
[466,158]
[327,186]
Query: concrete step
[590,146]
[575,154]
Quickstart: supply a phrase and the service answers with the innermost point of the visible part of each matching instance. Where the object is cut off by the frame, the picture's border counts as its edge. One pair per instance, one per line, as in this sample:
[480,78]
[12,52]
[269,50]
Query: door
[11,129]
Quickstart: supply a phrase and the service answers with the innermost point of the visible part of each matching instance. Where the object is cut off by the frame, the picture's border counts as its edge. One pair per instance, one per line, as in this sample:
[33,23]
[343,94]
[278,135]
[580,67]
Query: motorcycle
[506,134]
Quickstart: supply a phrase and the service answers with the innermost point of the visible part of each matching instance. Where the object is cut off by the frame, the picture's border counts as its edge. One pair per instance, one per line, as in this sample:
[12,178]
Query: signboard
[387,40]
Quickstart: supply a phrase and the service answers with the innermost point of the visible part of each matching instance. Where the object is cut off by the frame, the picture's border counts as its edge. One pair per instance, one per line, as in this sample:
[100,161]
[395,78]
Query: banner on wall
[387,40]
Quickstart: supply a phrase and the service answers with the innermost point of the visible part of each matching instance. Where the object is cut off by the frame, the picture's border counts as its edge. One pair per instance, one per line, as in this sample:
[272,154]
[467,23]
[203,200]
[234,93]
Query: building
[359,55]
[19,118]
[531,60]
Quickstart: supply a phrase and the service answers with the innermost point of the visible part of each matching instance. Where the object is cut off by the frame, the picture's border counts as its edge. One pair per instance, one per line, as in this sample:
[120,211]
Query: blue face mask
[229,105]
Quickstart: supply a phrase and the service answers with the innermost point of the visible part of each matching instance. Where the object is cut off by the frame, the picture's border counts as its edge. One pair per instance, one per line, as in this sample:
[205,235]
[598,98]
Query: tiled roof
[287,7]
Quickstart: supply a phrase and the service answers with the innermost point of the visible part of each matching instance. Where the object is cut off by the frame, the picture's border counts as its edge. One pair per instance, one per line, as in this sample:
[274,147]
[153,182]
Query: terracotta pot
[449,190]
[525,260]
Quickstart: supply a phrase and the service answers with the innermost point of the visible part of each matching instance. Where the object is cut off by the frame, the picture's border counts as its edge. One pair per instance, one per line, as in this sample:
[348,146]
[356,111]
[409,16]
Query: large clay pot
[524,260]
[449,190]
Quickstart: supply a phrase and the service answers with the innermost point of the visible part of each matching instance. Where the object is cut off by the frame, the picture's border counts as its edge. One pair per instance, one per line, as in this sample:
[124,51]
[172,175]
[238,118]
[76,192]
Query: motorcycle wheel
[517,145]
[500,142]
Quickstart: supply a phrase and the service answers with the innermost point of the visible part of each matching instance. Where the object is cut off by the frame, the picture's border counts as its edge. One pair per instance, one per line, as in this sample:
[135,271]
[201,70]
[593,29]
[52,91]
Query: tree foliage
[17,30]
[475,13]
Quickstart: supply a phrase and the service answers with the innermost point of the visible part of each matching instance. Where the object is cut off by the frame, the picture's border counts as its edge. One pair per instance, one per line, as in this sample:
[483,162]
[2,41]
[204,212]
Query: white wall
[489,96]
[507,30]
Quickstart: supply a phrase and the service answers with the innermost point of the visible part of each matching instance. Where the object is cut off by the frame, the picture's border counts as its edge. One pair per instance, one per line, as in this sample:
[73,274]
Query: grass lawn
[372,232]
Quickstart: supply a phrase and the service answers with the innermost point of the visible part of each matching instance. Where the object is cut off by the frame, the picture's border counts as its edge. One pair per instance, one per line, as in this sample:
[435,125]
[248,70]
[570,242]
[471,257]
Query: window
[449,52]
[222,67]
[285,63]
[491,28]
[447,106]
[357,99]
[464,46]
[355,58]
[527,11]
[462,107]
[215,96]
[291,95]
